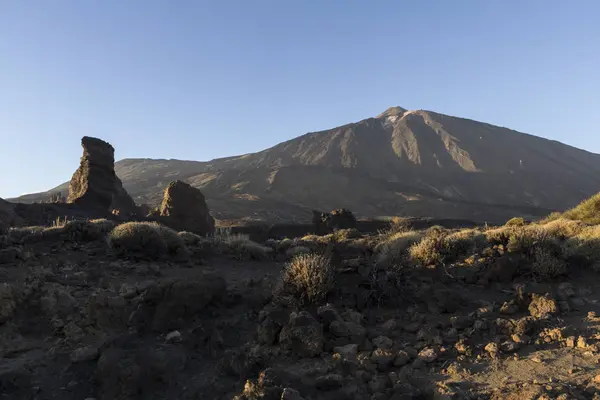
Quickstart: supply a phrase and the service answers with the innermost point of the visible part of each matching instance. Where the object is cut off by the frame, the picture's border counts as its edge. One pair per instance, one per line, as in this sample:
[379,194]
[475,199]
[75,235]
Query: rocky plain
[102,299]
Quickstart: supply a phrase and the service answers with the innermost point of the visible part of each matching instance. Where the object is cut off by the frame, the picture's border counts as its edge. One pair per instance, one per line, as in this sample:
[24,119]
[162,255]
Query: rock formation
[95,185]
[8,217]
[336,219]
[184,208]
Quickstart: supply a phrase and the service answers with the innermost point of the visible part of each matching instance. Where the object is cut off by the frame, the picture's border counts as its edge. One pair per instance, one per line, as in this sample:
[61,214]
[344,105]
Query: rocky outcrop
[95,184]
[337,219]
[184,208]
[8,217]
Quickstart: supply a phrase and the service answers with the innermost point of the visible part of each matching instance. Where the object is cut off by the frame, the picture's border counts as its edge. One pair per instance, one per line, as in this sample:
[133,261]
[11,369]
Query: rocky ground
[76,322]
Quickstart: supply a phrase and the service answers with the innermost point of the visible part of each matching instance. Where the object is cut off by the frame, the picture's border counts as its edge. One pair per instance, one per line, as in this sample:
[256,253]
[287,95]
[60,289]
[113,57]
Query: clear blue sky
[205,79]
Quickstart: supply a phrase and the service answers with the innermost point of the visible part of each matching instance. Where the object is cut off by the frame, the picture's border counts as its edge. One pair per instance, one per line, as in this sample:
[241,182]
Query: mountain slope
[401,162]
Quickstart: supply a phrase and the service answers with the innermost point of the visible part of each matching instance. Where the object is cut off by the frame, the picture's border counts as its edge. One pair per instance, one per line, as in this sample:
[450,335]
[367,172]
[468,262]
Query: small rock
[402,358]
[509,346]
[383,342]
[346,329]
[378,384]
[382,358]
[412,327]
[566,290]
[291,394]
[173,337]
[492,348]
[389,326]
[520,338]
[353,316]
[329,382]
[582,342]
[571,341]
[83,354]
[461,322]
[462,347]
[347,351]
[428,355]
[509,308]
[542,306]
[328,314]
[303,335]
[596,379]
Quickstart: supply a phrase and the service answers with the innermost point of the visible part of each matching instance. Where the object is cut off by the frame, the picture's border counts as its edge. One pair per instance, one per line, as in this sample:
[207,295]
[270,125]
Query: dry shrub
[499,236]
[191,239]
[587,211]
[399,224]
[175,244]
[241,247]
[346,234]
[307,279]
[436,231]
[297,250]
[547,264]
[137,239]
[516,221]
[392,250]
[80,231]
[104,225]
[564,228]
[427,252]
[584,247]
[462,243]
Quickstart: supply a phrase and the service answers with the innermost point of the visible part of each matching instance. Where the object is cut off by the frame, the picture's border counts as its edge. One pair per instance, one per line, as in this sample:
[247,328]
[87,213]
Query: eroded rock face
[184,208]
[95,185]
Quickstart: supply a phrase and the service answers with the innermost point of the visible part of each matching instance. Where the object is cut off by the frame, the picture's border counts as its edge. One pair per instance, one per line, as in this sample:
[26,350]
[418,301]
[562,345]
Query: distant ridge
[402,162]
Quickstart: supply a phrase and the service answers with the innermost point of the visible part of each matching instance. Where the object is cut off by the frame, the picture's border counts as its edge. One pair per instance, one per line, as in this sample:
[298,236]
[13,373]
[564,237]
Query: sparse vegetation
[175,244]
[308,278]
[240,247]
[587,211]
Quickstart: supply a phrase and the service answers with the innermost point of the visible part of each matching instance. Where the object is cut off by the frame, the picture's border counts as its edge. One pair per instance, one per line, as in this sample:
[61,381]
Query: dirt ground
[78,323]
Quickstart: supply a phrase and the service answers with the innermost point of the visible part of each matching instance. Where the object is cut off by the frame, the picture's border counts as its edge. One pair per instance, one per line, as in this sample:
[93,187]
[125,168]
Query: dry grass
[547,264]
[307,279]
[297,250]
[584,247]
[191,239]
[426,252]
[138,239]
[392,250]
[462,243]
[587,211]
[516,221]
[564,228]
[240,246]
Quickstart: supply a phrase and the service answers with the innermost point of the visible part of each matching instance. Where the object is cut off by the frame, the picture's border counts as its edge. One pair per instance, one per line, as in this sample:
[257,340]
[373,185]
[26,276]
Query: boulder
[184,208]
[95,184]
[303,335]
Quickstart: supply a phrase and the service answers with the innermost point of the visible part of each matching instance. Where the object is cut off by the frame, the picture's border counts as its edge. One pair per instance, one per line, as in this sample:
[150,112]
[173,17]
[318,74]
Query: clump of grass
[392,250]
[104,225]
[427,252]
[499,236]
[78,231]
[241,247]
[191,239]
[584,248]
[399,225]
[587,211]
[138,239]
[516,221]
[564,228]
[175,245]
[462,243]
[307,279]
[346,234]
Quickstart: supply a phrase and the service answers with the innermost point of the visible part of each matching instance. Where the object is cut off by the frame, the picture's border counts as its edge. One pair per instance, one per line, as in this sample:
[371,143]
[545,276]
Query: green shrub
[138,239]
[307,279]
[516,221]
[81,231]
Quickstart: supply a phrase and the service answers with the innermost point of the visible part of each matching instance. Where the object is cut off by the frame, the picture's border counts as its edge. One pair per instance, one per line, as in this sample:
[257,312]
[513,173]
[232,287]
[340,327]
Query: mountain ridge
[402,162]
